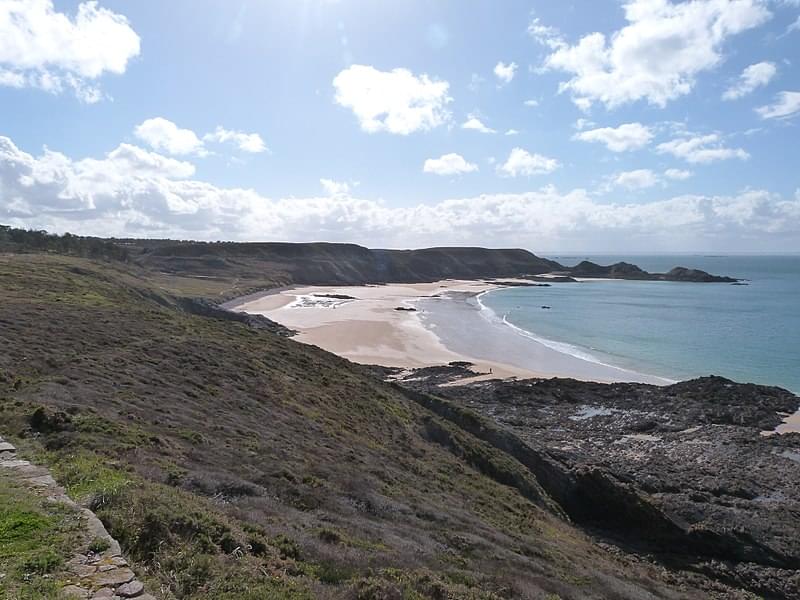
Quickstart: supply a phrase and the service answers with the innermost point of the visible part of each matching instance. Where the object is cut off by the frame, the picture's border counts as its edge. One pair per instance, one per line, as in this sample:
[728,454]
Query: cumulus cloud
[475,124]
[505,72]
[626,137]
[640,179]
[787,104]
[752,77]
[246,142]
[49,50]
[531,103]
[394,101]
[165,136]
[449,164]
[335,188]
[701,149]
[677,174]
[636,180]
[522,162]
[656,57]
[131,192]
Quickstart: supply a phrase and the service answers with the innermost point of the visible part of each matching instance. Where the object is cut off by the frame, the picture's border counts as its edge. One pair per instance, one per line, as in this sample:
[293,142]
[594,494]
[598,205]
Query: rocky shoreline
[681,475]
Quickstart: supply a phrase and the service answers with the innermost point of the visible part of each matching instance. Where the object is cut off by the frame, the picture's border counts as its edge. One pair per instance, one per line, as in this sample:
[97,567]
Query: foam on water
[562,347]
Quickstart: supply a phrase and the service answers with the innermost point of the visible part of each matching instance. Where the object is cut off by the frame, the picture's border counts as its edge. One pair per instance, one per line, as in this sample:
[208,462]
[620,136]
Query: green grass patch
[90,478]
[36,538]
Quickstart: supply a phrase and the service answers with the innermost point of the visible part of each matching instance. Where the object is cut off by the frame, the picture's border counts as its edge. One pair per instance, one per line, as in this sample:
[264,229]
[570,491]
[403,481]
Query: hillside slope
[327,263]
[234,463]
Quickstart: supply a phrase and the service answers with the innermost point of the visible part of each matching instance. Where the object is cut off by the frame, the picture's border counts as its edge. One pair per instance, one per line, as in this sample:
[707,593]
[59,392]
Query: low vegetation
[37,538]
[234,463]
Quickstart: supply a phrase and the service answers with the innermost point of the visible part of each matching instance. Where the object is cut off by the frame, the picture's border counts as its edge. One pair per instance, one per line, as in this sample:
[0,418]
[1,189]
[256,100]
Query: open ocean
[673,330]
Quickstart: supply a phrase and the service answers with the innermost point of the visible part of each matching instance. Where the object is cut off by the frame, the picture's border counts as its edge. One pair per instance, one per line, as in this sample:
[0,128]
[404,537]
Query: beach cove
[419,325]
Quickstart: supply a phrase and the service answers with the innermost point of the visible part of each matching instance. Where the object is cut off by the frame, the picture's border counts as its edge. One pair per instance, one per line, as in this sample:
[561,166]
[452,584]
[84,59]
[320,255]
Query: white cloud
[505,72]
[677,174]
[657,55]
[335,188]
[246,142]
[626,137]
[49,50]
[449,164]
[163,135]
[395,101]
[640,179]
[635,180]
[793,27]
[131,192]
[522,162]
[475,124]
[545,34]
[787,104]
[512,132]
[752,77]
[701,149]
[531,103]
[581,124]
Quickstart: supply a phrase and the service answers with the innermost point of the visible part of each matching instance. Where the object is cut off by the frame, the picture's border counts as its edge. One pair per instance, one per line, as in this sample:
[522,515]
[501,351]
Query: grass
[37,537]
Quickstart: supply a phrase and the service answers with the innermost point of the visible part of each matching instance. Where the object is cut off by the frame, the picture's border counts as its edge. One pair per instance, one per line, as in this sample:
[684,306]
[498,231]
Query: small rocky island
[623,270]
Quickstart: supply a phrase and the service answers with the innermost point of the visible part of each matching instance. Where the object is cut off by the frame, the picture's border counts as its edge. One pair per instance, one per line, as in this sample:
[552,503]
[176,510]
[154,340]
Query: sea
[668,330]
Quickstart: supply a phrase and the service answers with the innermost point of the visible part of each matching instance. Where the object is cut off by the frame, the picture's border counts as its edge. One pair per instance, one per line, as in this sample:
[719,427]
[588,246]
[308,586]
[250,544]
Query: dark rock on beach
[681,474]
[335,296]
[206,308]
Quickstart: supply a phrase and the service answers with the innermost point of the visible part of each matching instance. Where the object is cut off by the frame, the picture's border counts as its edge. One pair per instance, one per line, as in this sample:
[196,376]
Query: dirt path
[97,569]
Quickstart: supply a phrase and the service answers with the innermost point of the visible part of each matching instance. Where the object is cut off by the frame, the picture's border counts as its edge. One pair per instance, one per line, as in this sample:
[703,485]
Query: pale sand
[369,330]
[791,424]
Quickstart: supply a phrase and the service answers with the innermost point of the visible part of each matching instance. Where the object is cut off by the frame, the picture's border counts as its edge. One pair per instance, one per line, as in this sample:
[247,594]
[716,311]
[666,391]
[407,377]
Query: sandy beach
[368,329]
[363,324]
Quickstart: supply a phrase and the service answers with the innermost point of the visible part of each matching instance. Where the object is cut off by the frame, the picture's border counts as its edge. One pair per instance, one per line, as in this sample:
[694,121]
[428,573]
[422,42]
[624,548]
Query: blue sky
[594,125]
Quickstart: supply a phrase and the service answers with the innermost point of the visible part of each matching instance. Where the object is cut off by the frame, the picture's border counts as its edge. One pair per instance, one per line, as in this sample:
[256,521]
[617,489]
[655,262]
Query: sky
[573,126]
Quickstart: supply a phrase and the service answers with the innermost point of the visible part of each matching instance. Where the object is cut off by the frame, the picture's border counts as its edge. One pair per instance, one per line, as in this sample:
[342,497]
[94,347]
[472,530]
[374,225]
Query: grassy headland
[235,463]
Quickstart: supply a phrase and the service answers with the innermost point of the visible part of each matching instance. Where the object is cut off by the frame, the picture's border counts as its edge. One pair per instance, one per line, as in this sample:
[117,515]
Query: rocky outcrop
[623,270]
[98,569]
[206,308]
[681,473]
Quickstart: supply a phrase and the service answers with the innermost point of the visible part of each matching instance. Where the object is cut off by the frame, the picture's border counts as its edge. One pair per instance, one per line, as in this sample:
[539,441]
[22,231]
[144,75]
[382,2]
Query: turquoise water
[673,330]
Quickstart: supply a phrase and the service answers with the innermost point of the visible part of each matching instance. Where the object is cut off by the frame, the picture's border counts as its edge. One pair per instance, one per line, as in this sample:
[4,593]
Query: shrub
[41,563]
[99,545]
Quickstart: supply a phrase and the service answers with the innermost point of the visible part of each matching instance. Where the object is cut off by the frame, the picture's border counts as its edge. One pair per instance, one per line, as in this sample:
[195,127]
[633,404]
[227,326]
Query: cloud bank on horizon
[672,129]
